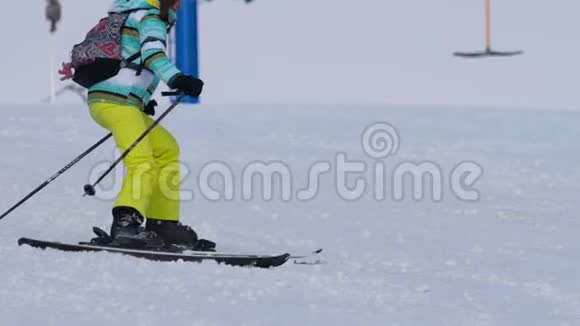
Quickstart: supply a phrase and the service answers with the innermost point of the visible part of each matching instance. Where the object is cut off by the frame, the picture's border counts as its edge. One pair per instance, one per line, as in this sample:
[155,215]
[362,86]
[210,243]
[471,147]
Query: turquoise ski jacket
[144,32]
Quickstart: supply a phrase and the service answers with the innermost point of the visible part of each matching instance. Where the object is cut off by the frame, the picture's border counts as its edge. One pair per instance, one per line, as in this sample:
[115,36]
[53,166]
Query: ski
[314,253]
[307,259]
[260,261]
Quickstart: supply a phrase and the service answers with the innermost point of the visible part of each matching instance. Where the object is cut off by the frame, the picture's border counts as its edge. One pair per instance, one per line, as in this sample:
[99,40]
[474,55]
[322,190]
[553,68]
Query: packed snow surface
[508,258]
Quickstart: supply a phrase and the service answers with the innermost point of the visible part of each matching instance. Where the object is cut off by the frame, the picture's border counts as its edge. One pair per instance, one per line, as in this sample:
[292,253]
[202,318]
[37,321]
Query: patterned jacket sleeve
[150,91]
[153,34]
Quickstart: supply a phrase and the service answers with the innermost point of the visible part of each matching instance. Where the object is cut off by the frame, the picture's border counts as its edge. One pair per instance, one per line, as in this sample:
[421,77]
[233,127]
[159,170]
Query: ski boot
[176,233]
[126,230]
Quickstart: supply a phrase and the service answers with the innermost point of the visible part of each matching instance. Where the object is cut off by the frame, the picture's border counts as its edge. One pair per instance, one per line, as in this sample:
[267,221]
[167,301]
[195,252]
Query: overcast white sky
[340,51]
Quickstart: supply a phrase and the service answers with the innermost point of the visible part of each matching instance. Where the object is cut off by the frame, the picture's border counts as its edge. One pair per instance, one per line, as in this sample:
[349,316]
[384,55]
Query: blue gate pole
[186,41]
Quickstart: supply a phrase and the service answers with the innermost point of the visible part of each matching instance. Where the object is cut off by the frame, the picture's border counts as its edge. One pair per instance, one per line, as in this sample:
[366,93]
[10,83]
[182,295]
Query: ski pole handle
[170,93]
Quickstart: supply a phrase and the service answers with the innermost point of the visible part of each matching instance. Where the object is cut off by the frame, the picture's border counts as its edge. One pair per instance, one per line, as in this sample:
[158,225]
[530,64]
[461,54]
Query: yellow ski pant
[152,182]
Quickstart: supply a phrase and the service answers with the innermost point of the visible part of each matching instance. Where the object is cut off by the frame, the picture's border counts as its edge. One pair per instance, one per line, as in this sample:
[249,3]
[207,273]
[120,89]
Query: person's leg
[127,124]
[163,213]
[165,200]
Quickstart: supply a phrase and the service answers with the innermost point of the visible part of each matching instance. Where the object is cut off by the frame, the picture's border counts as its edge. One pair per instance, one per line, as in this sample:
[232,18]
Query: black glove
[187,84]
[150,108]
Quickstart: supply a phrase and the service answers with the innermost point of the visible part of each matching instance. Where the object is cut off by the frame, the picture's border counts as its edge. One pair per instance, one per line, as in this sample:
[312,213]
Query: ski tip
[307,260]
[312,254]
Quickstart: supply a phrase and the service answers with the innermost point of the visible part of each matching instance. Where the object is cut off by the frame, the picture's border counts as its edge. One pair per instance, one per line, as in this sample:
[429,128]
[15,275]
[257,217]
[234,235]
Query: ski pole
[59,173]
[90,189]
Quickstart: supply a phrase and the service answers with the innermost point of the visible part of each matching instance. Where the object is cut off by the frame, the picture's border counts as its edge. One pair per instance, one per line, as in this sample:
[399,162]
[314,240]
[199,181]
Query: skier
[53,13]
[122,104]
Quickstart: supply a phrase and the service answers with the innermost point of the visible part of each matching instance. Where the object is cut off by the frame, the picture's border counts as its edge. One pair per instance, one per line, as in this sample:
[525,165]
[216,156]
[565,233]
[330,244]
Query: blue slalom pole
[186,35]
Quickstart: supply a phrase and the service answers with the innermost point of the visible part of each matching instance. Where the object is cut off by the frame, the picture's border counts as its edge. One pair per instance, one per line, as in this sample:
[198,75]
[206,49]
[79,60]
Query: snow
[509,258]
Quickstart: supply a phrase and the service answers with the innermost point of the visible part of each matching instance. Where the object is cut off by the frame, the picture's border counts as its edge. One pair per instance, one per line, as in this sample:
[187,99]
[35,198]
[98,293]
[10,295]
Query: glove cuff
[174,82]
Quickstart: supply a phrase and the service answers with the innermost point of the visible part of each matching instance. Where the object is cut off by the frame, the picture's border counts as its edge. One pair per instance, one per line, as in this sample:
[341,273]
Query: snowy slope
[508,259]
